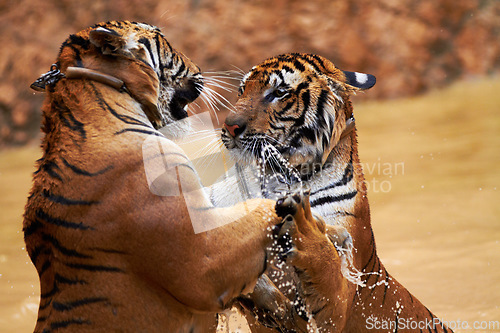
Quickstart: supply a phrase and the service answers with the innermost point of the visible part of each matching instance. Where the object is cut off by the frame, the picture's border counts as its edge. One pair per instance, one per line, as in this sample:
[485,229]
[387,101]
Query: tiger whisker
[208,100]
[219,80]
[227,73]
[220,99]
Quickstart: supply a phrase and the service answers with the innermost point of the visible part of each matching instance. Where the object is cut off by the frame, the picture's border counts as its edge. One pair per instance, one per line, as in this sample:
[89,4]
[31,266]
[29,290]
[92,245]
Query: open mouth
[178,108]
[183,96]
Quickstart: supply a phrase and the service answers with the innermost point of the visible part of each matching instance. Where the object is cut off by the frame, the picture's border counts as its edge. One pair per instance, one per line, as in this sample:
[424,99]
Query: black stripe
[280,75]
[65,201]
[325,140]
[50,168]
[111,251]
[68,119]
[95,268]
[319,60]
[58,306]
[377,275]
[80,41]
[314,313]
[276,127]
[386,285]
[330,199]
[306,98]
[312,63]
[320,105]
[396,320]
[77,41]
[51,293]
[409,294]
[161,65]
[286,108]
[346,178]
[371,269]
[45,266]
[182,67]
[137,130]
[32,228]
[82,172]
[145,41]
[46,305]
[66,323]
[64,280]
[371,255]
[305,132]
[60,222]
[36,252]
[59,279]
[299,65]
[124,118]
[342,213]
[432,316]
[62,249]
[303,85]
[287,69]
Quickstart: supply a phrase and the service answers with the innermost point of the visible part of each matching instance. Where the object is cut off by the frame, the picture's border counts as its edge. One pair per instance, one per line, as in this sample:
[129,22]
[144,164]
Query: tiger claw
[290,254]
[287,205]
[340,237]
[288,224]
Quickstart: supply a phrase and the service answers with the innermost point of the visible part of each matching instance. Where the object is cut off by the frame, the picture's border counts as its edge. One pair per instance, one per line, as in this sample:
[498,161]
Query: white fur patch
[131,43]
[146,26]
[103,29]
[361,78]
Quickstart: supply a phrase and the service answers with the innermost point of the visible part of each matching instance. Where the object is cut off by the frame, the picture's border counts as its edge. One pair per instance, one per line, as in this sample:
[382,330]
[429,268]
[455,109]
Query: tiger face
[162,79]
[298,103]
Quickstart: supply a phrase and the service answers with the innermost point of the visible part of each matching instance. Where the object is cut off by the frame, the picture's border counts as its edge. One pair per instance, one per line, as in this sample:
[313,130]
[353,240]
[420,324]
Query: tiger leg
[311,248]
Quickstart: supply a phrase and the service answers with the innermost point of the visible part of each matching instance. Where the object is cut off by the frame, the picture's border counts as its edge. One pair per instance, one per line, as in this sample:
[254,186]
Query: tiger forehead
[293,68]
[283,74]
[128,25]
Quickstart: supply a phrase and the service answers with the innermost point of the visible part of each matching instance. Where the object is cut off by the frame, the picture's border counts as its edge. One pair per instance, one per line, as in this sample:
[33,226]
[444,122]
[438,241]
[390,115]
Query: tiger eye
[280,93]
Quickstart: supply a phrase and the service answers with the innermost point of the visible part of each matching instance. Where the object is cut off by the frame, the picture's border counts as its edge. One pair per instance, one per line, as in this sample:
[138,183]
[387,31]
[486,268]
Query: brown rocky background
[410,45]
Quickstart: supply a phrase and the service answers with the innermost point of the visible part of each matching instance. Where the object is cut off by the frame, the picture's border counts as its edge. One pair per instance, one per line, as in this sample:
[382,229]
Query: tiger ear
[107,40]
[360,80]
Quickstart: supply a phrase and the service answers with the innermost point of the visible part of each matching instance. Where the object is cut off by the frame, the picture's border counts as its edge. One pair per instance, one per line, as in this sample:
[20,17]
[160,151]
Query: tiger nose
[235,126]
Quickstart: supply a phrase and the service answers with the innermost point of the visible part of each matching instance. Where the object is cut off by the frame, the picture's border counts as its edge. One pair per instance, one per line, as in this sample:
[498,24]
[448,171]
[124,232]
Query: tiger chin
[112,256]
[297,107]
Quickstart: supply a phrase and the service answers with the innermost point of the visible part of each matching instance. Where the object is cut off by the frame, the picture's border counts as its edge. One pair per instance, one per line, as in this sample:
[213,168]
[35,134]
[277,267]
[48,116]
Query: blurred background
[435,110]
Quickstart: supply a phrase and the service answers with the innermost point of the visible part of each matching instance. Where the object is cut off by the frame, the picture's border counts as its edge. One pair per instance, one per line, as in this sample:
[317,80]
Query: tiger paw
[271,308]
[316,252]
[301,227]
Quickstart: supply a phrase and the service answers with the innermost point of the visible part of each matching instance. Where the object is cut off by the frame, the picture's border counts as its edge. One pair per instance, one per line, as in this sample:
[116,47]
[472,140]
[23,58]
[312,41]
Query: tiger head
[298,103]
[160,78]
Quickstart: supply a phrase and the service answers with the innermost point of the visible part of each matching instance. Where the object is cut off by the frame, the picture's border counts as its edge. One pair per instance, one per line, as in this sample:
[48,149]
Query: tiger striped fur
[111,256]
[298,105]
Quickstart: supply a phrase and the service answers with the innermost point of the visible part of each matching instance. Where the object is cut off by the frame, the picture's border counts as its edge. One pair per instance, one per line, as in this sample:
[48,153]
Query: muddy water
[432,167]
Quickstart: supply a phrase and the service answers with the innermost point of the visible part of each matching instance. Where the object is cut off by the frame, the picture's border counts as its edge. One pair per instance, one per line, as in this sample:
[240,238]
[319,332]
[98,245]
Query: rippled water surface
[432,167]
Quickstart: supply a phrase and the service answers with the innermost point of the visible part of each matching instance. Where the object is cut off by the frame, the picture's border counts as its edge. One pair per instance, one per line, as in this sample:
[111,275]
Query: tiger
[294,119]
[111,255]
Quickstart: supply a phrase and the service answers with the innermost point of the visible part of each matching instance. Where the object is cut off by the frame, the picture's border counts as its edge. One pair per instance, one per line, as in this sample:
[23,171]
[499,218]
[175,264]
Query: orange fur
[299,103]
[111,255]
